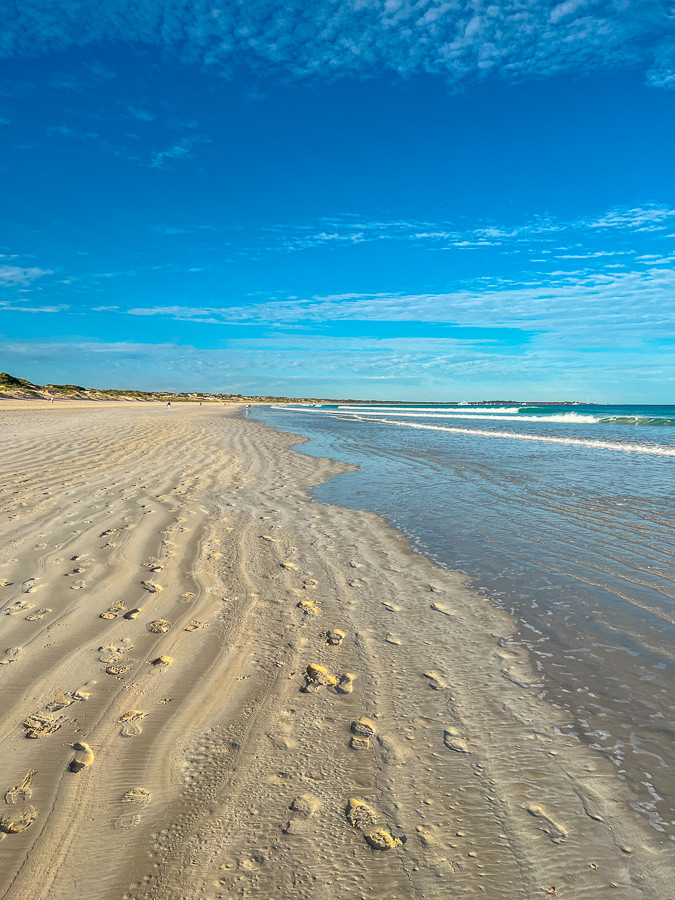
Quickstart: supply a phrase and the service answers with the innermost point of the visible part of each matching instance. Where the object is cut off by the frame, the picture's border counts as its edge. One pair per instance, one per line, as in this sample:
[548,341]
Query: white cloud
[460,40]
[16,275]
[180,150]
[604,308]
[346,230]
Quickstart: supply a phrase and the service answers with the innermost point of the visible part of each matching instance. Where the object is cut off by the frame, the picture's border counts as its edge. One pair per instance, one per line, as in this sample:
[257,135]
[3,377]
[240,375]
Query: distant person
[169,404]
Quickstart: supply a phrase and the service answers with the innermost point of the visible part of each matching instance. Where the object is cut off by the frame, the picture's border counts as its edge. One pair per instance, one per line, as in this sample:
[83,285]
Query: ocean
[561,515]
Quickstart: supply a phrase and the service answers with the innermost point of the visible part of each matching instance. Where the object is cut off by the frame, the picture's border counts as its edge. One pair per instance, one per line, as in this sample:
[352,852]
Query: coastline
[239,780]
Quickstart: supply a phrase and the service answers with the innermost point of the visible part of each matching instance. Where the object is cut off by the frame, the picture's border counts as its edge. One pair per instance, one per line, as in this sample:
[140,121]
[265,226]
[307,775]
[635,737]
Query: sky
[429,200]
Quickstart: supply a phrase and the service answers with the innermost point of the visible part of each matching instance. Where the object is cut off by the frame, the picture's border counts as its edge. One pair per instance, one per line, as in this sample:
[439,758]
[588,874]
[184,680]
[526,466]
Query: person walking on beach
[169,405]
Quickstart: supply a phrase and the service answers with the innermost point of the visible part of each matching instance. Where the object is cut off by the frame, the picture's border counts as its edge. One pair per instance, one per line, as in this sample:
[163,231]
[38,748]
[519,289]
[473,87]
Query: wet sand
[215,687]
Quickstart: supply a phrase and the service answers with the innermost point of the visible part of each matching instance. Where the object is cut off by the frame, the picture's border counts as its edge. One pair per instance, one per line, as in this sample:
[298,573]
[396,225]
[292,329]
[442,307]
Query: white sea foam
[650,449]
[487,416]
[510,410]
[620,446]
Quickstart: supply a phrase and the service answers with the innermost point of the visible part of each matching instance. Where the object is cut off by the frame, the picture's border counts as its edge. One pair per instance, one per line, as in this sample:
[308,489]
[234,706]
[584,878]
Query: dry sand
[214,687]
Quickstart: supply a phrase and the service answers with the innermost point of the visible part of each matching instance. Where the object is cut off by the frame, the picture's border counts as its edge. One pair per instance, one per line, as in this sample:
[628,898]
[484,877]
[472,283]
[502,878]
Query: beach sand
[215,687]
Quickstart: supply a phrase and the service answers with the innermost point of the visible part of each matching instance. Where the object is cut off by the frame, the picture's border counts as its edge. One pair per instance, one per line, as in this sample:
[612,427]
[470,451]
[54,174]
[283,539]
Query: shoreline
[233,781]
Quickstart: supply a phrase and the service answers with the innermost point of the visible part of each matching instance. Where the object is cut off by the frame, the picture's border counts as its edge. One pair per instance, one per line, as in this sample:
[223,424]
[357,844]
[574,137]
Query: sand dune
[214,687]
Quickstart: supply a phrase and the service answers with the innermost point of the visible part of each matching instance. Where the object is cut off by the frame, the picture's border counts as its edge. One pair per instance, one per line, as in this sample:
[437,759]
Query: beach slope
[215,687]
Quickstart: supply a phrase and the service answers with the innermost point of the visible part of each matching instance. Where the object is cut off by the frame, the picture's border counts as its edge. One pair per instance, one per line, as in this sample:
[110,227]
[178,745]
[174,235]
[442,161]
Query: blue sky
[419,200]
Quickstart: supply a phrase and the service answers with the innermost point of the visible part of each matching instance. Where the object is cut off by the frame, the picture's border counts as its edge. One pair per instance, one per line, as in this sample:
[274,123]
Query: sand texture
[215,687]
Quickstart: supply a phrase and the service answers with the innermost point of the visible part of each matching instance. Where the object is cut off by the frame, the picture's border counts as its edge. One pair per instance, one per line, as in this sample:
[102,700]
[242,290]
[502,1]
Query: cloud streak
[605,308]
[343,231]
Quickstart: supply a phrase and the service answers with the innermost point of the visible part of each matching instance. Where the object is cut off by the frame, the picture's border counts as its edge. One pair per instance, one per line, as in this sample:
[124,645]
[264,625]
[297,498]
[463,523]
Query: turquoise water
[561,515]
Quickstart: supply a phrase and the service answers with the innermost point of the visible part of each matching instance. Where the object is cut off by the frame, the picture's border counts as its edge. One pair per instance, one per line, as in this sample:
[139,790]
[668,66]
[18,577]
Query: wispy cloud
[460,40]
[180,150]
[16,275]
[336,231]
[603,308]
[141,115]
[184,229]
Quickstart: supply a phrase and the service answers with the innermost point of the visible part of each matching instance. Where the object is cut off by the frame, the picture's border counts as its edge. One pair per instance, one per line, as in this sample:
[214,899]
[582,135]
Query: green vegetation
[9,382]
[19,389]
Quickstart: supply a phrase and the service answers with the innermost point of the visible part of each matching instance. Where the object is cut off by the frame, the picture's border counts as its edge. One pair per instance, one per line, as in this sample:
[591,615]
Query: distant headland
[13,388]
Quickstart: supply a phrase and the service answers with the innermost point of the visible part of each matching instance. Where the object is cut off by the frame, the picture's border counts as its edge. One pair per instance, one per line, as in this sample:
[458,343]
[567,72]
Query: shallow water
[564,517]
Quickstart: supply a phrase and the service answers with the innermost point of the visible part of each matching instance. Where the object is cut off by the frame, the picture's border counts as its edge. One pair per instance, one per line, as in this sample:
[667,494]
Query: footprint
[266,537]
[316,677]
[130,723]
[11,655]
[360,815]
[334,638]
[21,791]
[453,741]
[289,565]
[133,613]
[82,693]
[84,757]
[127,822]
[38,614]
[556,832]
[362,731]
[436,683]
[19,606]
[283,736]
[308,607]
[194,625]
[78,586]
[39,726]
[162,661]
[5,583]
[159,626]
[111,653]
[18,820]
[138,796]
[113,611]
[151,587]
[392,639]
[345,684]
[363,817]
[117,668]
[60,701]
[302,808]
